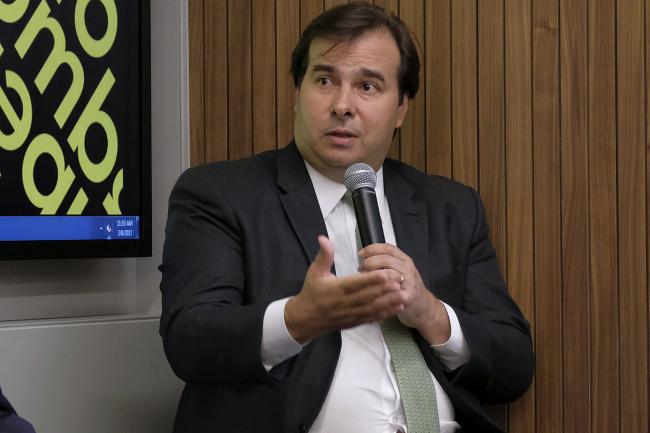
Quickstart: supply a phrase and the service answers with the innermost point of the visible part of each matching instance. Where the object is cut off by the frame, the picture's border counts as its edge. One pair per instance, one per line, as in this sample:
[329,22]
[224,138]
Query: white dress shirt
[363,396]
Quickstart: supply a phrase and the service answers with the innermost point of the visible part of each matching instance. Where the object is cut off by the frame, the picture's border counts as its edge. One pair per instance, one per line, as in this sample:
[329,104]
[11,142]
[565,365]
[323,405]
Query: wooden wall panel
[309,9]
[413,131]
[547,217]
[603,215]
[215,23]
[287,18]
[491,119]
[437,65]
[633,315]
[264,76]
[463,91]
[575,215]
[240,94]
[197,83]
[519,184]
[542,106]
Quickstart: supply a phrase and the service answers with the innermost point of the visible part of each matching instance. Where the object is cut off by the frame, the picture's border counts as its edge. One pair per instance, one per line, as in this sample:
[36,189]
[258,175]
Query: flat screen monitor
[75,146]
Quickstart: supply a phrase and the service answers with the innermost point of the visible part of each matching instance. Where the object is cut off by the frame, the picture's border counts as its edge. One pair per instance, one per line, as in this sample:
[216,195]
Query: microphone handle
[366,210]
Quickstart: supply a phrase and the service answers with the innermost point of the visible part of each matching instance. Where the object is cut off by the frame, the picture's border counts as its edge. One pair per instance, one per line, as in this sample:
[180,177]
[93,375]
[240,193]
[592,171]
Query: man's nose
[343,103]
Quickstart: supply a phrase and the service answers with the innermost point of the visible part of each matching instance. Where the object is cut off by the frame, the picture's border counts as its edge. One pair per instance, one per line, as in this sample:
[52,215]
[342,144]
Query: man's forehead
[361,50]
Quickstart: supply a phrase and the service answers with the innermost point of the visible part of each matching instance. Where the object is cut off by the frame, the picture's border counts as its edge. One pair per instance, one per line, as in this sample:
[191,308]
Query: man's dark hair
[348,22]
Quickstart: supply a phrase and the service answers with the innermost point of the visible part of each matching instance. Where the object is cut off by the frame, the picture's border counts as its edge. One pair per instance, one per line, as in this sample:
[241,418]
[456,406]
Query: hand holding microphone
[422,310]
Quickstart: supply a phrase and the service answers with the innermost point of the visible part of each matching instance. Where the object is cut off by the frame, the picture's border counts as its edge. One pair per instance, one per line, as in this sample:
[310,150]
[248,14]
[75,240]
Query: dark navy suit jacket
[9,421]
[242,234]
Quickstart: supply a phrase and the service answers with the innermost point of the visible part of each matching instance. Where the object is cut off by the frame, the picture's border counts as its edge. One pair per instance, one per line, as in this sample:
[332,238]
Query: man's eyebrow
[323,68]
[370,73]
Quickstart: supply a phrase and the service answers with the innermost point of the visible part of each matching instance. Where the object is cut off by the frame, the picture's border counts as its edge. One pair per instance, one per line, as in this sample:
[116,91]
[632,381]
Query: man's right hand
[328,303]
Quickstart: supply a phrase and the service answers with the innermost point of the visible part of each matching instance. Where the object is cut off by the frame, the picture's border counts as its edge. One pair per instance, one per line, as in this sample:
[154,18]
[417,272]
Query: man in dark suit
[10,422]
[266,336]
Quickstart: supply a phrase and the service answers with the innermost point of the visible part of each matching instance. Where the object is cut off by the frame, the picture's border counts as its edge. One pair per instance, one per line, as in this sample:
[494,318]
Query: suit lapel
[409,219]
[312,370]
[299,200]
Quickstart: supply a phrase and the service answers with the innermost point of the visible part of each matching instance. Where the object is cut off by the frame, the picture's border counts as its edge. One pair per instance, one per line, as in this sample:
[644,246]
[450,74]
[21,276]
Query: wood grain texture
[575,215]
[632,225]
[437,66]
[287,18]
[264,76]
[463,92]
[547,205]
[603,216]
[240,93]
[309,9]
[647,180]
[491,134]
[197,83]
[332,3]
[413,131]
[519,184]
[491,120]
[216,80]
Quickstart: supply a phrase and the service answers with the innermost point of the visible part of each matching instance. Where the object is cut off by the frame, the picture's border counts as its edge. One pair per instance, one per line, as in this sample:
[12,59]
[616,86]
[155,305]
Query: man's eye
[368,87]
[324,81]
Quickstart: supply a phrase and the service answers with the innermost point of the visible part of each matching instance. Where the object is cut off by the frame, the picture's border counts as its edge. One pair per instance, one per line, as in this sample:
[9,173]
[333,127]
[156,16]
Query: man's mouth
[341,133]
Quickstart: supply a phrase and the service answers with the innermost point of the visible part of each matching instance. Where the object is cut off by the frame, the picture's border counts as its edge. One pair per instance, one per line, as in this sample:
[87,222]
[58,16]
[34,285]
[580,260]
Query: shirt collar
[329,193]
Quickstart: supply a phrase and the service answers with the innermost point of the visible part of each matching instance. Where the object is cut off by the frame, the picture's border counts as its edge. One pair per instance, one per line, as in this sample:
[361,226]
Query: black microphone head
[360,175]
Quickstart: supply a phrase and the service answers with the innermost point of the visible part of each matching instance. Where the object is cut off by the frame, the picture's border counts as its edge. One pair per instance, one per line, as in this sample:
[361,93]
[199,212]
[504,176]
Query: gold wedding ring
[401,279]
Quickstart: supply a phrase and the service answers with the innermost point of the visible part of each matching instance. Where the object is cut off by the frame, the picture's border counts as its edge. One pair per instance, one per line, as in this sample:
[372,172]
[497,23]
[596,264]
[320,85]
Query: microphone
[360,180]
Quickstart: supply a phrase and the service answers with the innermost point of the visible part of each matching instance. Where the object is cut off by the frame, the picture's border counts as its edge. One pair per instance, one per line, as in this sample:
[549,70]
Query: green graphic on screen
[69,107]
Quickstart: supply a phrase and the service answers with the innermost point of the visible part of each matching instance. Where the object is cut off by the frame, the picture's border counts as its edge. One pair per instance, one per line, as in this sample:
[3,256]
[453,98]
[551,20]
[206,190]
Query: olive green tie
[414,380]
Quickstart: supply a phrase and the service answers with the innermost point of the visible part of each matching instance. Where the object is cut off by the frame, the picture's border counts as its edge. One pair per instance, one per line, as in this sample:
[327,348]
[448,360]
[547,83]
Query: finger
[382,262]
[386,278]
[322,264]
[379,249]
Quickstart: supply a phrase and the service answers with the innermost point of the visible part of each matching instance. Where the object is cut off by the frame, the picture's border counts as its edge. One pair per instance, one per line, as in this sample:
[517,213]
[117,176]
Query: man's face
[347,106]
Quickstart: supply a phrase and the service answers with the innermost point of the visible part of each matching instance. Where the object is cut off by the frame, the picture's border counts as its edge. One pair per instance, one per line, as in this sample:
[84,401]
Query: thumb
[322,264]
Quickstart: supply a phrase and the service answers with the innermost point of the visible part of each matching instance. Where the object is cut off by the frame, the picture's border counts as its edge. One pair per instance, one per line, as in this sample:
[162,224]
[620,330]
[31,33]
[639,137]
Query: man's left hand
[422,310]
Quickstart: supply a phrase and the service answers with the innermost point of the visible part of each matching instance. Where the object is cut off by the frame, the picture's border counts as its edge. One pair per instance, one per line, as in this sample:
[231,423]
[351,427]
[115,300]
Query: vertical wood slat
[633,401]
[240,100]
[264,76]
[519,184]
[547,240]
[603,216]
[412,134]
[287,16]
[216,84]
[463,88]
[197,83]
[329,4]
[647,180]
[309,9]
[575,215]
[491,136]
[491,120]
[392,6]
[437,65]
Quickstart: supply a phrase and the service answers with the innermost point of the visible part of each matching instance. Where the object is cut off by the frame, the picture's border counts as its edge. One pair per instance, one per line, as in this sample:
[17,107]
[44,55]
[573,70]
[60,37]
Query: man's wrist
[435,326]
[293,313]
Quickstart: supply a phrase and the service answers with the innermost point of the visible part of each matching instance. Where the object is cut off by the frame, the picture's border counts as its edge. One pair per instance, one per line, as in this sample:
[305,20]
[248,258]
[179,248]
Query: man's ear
[401,111]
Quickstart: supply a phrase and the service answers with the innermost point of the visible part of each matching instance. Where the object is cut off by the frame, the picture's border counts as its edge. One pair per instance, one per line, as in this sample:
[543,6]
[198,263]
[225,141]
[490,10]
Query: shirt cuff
[277,344]
[454,352]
